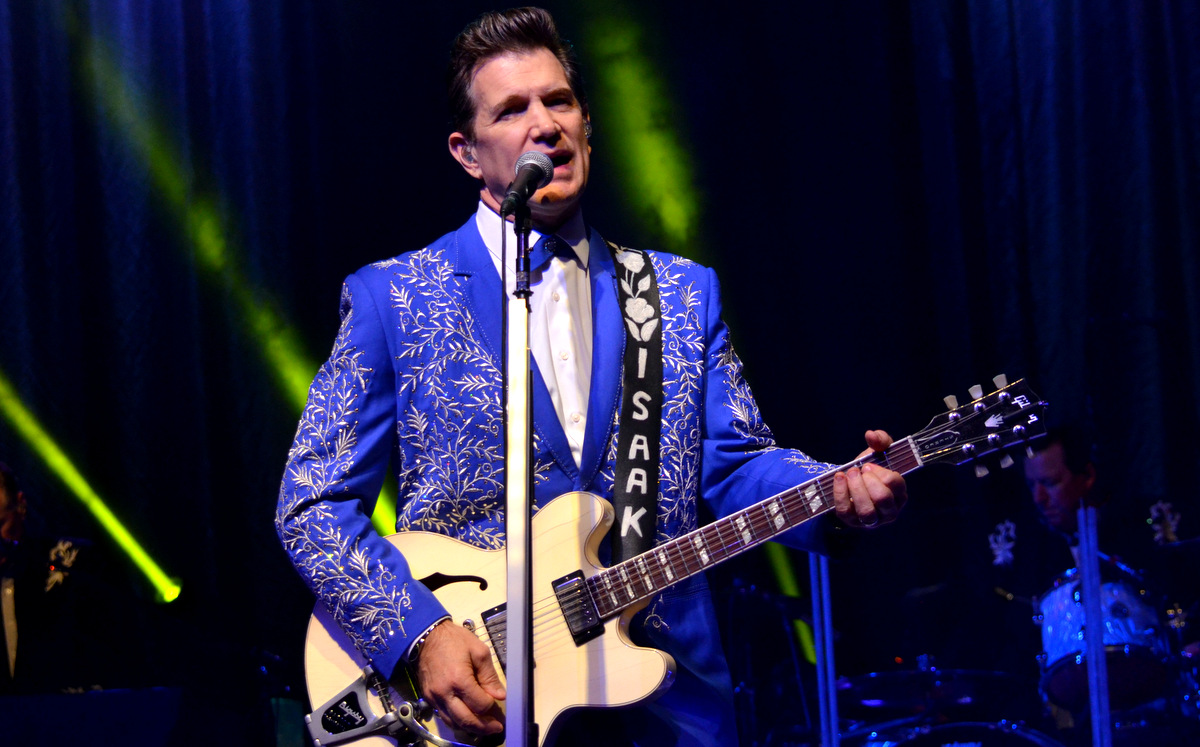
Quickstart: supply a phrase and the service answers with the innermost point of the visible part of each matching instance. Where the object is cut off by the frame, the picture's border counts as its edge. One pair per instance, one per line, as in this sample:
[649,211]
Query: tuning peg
[1000,381]
[980,470]
[1029,452]
[976,391]
[951,401]
[1006,461]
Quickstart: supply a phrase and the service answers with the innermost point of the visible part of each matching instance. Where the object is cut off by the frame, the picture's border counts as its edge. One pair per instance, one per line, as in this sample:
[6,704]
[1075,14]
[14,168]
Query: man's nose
[1040,495]
[541,123]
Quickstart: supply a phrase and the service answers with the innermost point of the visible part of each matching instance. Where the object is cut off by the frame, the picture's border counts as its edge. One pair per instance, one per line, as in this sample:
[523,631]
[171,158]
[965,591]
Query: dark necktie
[549,246]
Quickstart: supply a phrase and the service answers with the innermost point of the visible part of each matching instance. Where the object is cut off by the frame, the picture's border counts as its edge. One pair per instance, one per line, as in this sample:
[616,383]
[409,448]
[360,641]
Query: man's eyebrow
[508,101]
[520,99]
[561,91]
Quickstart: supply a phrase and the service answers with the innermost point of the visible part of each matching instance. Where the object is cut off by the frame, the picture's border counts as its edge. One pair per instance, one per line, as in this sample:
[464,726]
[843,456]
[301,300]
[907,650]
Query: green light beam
[789,586]
[637,111]
[206,232]
[35,435]
[655,168]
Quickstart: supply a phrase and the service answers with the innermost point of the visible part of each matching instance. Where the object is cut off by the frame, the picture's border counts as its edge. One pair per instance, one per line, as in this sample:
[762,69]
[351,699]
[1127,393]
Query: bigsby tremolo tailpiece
[348,716]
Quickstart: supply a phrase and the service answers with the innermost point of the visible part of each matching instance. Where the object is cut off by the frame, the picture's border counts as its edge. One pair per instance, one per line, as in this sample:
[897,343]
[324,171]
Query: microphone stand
[520,729]
[1091,588]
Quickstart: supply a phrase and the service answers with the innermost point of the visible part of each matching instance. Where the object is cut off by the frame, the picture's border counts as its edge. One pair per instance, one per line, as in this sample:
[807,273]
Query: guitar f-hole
[435,581]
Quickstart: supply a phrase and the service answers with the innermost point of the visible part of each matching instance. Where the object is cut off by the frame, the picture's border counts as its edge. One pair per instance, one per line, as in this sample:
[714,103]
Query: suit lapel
[482,292]
[608,348]
[485,298]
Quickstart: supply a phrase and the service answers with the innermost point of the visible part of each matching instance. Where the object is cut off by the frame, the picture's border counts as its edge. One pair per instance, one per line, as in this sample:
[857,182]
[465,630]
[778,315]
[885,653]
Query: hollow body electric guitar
[582,654]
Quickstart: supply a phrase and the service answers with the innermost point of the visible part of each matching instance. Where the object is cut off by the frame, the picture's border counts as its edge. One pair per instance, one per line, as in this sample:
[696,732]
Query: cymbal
[1187,545]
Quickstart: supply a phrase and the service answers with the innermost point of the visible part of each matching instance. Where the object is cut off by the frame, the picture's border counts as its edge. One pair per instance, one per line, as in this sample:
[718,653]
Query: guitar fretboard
[641,577]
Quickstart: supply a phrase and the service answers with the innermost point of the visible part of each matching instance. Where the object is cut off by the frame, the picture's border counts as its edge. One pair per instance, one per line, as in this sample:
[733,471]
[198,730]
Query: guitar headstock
[1011,416]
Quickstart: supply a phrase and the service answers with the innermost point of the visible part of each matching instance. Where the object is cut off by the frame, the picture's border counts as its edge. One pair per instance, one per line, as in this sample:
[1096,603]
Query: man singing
[414,377]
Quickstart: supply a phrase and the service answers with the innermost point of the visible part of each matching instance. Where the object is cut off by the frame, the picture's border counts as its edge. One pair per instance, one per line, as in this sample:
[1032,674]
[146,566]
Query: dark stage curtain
[902,199]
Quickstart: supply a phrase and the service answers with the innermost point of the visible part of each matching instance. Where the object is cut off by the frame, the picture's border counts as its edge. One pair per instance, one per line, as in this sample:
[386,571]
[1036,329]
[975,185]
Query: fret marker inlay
[628,586]
[814,499]
[662,560]
[742,525]
[776,513]
[609,585]
[641,564]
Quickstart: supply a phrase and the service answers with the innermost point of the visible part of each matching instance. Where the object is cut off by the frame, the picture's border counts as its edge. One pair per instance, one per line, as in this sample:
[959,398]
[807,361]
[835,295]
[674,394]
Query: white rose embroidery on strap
[639,315]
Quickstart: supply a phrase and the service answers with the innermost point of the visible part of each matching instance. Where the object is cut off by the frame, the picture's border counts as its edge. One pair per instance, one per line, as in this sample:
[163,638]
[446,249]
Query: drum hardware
[884,699]
[1177,617]
[1137,650]
[984,734]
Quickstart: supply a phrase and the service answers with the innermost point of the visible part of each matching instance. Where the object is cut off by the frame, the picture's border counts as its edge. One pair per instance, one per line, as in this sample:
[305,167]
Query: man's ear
[1089,476]
[463,152]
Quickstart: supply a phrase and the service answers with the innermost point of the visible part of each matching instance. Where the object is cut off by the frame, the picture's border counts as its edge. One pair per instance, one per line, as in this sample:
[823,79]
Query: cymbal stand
[1093,616]
[818,572]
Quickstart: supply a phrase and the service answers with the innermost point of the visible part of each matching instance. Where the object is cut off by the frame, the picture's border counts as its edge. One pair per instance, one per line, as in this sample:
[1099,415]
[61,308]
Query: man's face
[1056,490]
[523,101]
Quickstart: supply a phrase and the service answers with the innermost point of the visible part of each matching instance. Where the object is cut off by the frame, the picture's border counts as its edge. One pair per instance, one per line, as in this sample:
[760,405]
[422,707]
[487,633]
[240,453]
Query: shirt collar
[574,232]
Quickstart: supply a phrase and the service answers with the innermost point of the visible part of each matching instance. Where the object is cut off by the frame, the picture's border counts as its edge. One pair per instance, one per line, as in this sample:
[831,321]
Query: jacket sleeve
[334,472]
[741,463]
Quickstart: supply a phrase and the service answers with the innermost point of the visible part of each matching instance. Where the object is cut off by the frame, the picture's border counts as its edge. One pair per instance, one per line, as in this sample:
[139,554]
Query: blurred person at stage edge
[415,377]
[46,603]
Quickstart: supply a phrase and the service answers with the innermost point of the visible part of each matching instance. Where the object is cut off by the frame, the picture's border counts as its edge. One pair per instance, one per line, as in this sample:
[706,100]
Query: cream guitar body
[607,670]
[582,654]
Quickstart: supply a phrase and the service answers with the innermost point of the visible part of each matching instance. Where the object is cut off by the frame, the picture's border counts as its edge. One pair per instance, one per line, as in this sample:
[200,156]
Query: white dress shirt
[560,322]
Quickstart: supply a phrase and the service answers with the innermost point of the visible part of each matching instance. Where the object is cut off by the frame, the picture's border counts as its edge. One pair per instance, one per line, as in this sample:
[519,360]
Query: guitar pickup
[578,608]
[495,622]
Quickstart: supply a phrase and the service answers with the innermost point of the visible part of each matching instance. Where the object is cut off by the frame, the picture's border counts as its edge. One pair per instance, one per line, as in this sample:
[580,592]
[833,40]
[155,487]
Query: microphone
[534,171]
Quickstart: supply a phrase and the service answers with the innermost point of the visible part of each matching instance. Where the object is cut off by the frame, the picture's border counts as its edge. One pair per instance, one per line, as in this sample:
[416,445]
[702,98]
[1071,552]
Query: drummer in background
[1061,476]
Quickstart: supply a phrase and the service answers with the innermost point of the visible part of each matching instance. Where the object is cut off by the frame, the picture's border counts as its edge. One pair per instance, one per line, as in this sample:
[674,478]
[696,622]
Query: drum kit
[1152,683]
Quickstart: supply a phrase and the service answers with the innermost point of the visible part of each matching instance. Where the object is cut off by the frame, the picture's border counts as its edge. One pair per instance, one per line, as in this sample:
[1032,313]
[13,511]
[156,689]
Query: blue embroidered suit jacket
[414,377]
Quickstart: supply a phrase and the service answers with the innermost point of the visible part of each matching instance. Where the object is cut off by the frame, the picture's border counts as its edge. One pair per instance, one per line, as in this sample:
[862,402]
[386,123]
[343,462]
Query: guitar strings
[543,609]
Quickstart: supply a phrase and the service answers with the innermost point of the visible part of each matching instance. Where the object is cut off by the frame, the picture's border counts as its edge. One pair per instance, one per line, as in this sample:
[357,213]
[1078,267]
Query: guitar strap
[635,492]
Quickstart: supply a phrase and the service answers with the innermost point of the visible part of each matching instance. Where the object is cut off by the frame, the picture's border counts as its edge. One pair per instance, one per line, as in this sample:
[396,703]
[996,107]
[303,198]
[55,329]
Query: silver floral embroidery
[358,589]
[62,557]
[747,420]
[683,397]
[684,362]
[1165,522]
[1002,541]
[452,473]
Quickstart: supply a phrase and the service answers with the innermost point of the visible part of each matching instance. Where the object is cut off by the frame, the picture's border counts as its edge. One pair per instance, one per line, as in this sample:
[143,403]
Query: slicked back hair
[8,480]
[500,32]
[1078,448]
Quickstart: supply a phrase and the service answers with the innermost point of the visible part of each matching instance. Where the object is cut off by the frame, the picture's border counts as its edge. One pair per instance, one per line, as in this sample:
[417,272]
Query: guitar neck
[641,577]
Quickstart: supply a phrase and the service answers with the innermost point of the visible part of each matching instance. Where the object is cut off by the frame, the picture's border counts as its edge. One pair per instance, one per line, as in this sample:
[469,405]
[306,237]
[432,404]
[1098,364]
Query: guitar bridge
[578,608]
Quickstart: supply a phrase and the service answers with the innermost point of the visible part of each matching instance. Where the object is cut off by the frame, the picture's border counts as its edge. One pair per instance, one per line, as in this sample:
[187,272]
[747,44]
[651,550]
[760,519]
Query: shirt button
[576,417]
[564,355]
[555,296]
